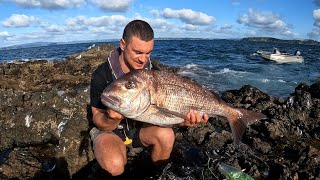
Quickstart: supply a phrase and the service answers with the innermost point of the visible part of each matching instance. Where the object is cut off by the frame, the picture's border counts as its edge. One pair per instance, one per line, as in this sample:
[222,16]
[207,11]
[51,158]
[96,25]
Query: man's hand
[194,118]
[106,119]
[111,114]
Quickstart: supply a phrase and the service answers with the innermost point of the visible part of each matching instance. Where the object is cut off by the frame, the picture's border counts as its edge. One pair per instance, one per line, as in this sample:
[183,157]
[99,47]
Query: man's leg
[162,140]
[110,152]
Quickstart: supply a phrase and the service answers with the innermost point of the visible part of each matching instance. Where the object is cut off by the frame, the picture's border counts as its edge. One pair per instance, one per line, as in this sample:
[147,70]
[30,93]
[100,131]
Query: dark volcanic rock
[44,107]
[44,129]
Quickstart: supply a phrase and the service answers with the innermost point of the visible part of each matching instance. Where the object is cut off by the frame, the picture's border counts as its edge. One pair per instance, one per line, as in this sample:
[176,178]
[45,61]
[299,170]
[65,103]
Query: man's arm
[106,119]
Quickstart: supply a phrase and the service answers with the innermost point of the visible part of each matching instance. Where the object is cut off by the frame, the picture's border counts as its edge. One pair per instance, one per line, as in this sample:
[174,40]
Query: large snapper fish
[164,99]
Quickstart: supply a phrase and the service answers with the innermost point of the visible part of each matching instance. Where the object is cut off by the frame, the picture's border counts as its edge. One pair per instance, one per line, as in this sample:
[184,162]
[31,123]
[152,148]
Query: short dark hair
[139,29]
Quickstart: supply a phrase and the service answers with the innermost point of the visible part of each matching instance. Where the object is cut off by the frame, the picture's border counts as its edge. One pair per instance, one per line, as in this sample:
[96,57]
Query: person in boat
[297,53]
[276,51]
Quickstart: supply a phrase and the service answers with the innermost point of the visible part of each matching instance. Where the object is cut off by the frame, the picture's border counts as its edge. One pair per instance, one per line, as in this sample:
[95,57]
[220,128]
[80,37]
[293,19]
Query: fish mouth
[110,100]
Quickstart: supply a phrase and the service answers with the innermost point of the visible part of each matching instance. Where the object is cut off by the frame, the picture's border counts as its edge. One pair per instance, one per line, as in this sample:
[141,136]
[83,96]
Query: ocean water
[217,64]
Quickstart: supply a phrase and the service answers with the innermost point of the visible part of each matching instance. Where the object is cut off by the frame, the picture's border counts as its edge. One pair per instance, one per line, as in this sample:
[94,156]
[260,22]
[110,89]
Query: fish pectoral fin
[170,113]
[160,116]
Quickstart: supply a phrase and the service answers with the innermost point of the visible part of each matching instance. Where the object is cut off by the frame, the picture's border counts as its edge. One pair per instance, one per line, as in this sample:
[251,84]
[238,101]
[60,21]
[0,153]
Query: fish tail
[241,119]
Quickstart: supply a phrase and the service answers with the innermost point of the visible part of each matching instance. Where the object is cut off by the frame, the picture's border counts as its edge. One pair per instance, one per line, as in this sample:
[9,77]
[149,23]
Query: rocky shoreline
[44,129]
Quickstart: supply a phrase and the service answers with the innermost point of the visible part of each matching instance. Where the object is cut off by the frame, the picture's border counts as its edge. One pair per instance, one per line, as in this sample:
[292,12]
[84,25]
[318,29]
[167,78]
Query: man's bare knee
[168,136]
[114,167]
[110,159]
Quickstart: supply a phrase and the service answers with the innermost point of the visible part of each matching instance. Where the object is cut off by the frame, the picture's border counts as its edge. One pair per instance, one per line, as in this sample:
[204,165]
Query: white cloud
[315,34]
[186,15]
[19,20]
[102,21]
[4,34]
[103,31]
[155,12]
[112,5]
[266,24]
[49,4]
[316,16]
[53,28]
[46,36]
[102,24]
[189,27]
[26,37]
[107,21]
[79,20]
[262,20]
[290,34]
[158,24]
[27,3]
[79,27]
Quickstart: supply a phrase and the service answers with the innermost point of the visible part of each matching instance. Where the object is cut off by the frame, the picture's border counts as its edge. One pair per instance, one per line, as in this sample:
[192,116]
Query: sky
[27,21]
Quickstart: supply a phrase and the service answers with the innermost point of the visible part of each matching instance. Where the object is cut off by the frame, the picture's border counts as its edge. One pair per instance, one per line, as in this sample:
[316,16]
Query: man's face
[136,52]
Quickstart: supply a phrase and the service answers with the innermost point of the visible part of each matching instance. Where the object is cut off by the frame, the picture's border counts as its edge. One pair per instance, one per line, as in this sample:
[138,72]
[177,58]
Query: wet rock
[264,147]
[45,103]
[314,90]
[245,95]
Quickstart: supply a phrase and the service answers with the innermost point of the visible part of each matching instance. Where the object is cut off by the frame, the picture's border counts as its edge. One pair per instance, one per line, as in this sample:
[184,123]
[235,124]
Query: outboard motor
[297,53]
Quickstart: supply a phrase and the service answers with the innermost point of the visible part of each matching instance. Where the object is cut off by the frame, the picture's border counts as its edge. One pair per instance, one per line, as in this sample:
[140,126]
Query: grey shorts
[133,134]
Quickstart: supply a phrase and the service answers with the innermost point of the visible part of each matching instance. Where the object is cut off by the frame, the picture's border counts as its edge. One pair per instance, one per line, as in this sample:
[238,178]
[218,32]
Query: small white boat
[279,57]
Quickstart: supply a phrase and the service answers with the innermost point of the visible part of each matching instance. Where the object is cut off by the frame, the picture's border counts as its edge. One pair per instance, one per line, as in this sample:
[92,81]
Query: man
[113,132]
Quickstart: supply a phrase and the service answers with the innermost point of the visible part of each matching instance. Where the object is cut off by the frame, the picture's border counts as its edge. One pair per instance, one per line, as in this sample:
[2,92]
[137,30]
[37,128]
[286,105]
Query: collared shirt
[115,66]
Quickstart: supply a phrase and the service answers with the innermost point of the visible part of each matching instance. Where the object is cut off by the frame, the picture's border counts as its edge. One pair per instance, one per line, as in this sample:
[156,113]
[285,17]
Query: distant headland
[275,40]
[247,39]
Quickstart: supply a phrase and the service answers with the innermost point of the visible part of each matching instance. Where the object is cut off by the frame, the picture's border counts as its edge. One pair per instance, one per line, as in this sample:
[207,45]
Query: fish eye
[130,85]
